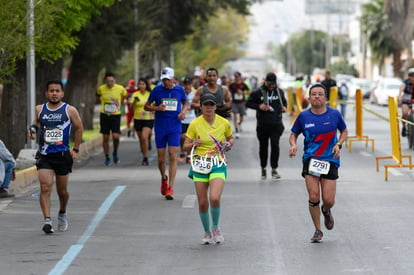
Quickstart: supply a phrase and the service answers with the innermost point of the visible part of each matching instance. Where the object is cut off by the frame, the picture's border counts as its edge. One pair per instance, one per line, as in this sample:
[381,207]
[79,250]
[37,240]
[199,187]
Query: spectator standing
[343,96]
[110,96]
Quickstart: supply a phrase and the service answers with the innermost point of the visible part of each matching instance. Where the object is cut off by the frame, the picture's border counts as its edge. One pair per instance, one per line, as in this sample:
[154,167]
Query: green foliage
[213,43]
[343,67]
[378,32]
[56,24]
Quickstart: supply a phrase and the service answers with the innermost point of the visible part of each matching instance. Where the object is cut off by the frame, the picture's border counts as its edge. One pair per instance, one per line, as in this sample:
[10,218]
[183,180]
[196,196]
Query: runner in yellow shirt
[110,95]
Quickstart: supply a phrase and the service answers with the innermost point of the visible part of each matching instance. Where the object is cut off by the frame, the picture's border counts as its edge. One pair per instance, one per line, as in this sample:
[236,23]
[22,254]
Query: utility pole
[136,46]
[30,70]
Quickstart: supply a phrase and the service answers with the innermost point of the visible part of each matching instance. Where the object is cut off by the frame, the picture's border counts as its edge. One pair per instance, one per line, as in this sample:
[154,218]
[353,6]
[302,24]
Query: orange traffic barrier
[395,140]
[358,124]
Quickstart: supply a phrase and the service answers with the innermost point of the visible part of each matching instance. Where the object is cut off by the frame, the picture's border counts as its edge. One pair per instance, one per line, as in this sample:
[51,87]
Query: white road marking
[189,201]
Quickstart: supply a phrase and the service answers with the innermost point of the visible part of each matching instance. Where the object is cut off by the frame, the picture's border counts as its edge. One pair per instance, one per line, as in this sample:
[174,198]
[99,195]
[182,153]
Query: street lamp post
[30,63]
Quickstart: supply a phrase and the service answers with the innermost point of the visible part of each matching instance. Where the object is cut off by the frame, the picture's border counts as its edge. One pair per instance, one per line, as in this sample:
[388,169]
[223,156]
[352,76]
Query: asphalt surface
[120,224]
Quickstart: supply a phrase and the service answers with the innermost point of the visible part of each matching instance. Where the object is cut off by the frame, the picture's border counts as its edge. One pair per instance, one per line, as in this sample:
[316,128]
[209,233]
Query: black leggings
[264,133]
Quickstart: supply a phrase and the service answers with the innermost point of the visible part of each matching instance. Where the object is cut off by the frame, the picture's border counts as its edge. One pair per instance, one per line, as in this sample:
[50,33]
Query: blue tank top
[55,128]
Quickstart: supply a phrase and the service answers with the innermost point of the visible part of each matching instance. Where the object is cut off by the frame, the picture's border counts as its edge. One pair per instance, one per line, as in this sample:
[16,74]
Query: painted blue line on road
[74,250]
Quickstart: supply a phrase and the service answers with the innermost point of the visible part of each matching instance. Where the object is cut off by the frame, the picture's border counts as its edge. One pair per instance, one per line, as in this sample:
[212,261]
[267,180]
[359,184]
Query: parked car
[385,87]
[360,83]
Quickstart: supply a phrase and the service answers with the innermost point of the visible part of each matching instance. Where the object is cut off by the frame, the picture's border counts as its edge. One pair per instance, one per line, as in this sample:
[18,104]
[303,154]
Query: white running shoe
[218,237]
[63,222]
[208,238]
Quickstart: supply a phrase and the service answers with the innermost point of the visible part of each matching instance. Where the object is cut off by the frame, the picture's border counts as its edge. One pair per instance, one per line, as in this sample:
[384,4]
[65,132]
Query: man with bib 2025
[321,161]
[54,159]
[208,137]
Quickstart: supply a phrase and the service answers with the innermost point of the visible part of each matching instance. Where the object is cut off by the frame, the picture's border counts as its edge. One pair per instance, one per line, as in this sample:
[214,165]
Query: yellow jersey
[111,98]
[139,112]
[200,128]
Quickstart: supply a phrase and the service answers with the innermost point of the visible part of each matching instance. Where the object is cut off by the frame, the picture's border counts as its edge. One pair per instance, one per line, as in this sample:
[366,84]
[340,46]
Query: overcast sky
[275,20]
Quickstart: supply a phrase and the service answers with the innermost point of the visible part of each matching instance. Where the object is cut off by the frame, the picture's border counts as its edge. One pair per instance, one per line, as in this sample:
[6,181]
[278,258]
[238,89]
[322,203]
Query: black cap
[208,98]
[271,78]
[187,80]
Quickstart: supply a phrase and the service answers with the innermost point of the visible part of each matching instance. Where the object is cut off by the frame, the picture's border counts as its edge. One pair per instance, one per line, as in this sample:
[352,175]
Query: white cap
[167,72]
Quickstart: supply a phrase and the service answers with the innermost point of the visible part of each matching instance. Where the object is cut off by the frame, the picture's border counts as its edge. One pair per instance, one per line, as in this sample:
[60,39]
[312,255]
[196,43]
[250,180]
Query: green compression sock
[215,215]
[205,220]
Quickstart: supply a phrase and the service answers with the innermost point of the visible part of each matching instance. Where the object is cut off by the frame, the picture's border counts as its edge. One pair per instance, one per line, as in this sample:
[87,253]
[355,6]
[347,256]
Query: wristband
[34,127]
[339,145]
[75,150]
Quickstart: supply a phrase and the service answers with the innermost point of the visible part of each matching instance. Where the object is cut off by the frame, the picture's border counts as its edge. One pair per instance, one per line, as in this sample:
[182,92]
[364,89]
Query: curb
[27,179]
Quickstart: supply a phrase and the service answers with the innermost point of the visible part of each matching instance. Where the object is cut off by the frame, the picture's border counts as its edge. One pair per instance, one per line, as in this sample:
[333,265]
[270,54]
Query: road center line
[74,250]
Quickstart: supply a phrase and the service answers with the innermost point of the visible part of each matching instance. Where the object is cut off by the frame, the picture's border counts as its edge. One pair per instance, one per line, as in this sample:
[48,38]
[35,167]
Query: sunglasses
[209,104]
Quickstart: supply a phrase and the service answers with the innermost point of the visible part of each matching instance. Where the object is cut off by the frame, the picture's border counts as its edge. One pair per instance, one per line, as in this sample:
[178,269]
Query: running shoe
[240,127]
[329,220]
[237,135]
[145,162]
[115,157]
[5,194]
[263,177]
[207,238]
[62,222]
[317,236]
[47,227]
[275,175]
[218,237]
[170,194]
[181,157]
[164,185]
[107,161]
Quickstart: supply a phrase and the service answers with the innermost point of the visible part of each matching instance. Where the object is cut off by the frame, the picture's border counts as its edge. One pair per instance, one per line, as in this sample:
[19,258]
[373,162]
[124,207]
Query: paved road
[120,224]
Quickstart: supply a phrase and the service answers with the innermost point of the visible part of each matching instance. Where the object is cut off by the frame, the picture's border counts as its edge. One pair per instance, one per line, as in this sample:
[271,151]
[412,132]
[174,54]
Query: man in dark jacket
[269,102]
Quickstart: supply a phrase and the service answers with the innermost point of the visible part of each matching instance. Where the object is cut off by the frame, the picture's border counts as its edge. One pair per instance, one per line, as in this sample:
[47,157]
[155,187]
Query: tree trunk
[13,115]
[81,87]
[397,64]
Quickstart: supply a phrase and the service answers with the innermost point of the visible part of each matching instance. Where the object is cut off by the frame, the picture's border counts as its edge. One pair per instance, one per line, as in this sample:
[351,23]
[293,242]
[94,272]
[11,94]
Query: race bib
[201,165]
[319,167]
[238,96]
[170,104]
[110,108]
[53,136]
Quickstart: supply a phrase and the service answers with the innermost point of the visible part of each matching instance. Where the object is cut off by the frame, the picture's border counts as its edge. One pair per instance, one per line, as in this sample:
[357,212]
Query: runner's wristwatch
[339,145]
[75,150]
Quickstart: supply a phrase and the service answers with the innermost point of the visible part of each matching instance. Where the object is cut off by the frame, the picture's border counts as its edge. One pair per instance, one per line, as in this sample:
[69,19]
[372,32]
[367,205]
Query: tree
[388,26]
[308,48]
[213,43]
[56,22]
[400,17]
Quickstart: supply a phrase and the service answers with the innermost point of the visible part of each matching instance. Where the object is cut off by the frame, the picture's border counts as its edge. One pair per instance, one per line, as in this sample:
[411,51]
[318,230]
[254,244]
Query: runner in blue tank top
[53,120]
[319,125]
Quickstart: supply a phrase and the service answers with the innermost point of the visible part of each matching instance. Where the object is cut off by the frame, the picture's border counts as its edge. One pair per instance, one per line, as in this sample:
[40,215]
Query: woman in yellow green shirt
[143,120]
[208,137]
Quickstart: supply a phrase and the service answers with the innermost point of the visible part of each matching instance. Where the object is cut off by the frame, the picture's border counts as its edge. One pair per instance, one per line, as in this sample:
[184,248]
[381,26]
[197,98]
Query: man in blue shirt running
[169,101]
[319,125]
